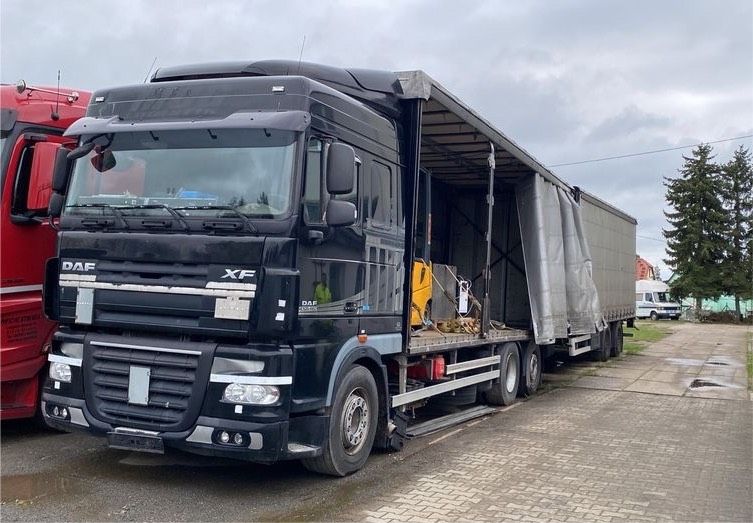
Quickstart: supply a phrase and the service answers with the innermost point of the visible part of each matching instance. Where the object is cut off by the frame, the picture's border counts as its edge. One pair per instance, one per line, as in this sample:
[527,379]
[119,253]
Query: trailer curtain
[564,300]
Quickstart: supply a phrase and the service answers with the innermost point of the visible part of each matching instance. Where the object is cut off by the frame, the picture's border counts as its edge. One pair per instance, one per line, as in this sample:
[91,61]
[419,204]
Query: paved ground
[576,453]
[702,361]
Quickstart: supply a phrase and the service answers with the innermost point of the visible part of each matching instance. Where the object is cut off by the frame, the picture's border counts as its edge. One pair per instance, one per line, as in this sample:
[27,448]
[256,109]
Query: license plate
[137,442]
[138,385]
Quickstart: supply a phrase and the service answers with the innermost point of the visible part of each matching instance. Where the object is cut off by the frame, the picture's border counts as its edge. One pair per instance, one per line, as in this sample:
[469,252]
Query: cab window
[314,192]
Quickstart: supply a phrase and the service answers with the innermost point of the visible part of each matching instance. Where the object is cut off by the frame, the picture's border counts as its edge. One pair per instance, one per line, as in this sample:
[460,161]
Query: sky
[567,80]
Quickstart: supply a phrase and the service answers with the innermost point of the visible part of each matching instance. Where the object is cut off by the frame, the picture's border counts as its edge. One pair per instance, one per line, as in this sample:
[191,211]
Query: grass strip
[645,332]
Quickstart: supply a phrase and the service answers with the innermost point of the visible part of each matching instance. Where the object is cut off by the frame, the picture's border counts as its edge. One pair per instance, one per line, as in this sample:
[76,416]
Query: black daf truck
[242,246]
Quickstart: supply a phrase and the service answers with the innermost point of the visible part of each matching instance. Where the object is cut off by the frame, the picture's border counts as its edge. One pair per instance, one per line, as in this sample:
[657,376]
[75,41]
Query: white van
[652,301]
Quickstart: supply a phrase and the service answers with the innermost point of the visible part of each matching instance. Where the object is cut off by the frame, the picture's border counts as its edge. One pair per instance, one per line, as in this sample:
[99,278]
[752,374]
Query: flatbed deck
[426,341]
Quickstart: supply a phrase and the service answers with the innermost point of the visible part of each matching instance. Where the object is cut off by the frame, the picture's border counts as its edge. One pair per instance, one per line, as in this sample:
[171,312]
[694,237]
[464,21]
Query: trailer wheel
[532,365]
[606,344]
[506,389]
[352,425]
[617,339]
[601,344]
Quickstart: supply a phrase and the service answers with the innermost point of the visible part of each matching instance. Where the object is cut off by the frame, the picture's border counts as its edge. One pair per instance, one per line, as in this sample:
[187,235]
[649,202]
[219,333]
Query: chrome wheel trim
[511,376]
[355,421]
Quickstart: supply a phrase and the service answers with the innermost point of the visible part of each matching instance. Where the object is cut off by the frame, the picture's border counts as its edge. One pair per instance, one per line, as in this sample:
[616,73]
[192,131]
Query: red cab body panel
[28,239]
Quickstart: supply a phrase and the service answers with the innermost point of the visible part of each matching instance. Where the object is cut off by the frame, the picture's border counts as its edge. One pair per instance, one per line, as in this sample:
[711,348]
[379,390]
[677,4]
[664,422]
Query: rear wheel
[352,425]
[506,389]
[531,370]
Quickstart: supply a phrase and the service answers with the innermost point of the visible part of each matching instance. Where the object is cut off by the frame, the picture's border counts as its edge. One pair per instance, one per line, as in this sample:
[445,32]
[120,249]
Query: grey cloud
[630,120]
[566,80]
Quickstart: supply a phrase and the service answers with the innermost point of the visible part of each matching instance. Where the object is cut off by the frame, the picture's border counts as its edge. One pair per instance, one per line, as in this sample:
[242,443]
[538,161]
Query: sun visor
[283,120]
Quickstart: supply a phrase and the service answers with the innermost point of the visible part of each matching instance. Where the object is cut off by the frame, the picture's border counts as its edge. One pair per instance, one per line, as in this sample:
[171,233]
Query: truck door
[332,258]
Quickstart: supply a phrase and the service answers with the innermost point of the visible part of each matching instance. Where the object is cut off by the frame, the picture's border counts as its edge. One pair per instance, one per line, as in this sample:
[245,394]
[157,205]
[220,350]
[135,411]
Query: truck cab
[33,121]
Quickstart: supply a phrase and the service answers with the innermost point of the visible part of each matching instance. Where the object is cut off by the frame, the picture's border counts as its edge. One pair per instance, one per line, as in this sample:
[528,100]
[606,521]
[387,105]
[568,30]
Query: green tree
[736,189]
[695,241]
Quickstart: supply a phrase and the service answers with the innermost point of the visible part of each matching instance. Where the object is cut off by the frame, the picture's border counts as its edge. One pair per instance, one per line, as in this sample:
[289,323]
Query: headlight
[251,394]
[60,372]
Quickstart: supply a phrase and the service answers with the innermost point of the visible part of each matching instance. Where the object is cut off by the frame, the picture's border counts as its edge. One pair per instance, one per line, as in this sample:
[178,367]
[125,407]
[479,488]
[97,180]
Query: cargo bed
[427,341]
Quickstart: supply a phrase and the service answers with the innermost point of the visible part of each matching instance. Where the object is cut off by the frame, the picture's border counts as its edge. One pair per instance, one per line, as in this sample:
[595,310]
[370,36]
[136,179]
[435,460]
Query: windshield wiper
[235,211]
[115,211]
[175,214]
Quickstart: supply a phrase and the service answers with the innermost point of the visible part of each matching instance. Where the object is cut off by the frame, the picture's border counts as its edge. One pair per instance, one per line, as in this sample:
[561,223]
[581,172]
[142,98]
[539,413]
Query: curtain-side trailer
[275,260]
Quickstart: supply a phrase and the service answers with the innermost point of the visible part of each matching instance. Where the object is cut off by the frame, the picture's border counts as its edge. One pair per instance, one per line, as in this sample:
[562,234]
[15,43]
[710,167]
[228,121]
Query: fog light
[63,412]
[252,394]
[55,411]
[224,437]
[238,439]
[60,372]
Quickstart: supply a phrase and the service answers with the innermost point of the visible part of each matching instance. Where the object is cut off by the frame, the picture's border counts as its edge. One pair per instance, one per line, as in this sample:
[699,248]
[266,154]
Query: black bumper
[295,438]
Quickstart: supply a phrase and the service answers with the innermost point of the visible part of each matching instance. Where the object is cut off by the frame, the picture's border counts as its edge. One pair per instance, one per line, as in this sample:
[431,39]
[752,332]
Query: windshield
[246,170]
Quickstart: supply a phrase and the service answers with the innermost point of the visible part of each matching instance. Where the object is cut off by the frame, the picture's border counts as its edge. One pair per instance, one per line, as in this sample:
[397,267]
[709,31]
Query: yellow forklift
[422,278]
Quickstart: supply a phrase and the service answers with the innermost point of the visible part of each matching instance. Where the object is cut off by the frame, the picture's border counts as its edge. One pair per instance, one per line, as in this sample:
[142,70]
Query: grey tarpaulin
[563,296]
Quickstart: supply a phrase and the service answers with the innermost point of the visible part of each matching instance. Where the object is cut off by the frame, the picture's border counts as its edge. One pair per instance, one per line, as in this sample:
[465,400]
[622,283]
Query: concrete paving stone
[601,382]
[711,370]
[657,387]
[619,372]
[706,392]
[678,378]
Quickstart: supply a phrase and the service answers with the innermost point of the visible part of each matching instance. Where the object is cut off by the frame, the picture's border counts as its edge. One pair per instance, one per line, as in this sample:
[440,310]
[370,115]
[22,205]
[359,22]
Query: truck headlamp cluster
[248,394]
[60,372]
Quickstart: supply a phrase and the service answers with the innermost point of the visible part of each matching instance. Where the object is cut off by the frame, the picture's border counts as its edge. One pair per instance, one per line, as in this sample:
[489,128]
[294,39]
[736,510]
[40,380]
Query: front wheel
[654,316]
[352,425]
[506,389]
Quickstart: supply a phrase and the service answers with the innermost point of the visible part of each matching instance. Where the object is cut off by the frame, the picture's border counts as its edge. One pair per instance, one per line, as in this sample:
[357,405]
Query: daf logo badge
[78,266]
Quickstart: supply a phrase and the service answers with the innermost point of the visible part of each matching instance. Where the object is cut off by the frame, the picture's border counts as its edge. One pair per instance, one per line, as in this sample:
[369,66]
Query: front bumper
[263,442]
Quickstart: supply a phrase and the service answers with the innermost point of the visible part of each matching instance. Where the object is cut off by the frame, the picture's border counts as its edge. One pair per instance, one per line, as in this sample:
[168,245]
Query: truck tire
[504,391]
[532,365]
[654,316]
[352,425]
[617,339]
[601,345]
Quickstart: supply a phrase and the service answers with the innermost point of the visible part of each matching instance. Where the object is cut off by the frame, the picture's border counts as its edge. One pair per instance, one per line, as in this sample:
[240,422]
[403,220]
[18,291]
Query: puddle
[700,382]
[25,488]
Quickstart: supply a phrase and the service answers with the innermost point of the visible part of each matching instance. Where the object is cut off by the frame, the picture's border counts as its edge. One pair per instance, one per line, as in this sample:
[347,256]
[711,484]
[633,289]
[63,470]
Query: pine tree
[695,243]
[736,190]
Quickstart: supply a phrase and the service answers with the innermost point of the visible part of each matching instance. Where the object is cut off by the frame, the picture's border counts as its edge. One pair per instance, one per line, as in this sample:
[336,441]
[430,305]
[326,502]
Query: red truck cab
[31,126]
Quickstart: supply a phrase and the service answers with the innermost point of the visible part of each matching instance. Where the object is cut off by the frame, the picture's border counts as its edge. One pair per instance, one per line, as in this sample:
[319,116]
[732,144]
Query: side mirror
[103,161]
[61,171]
[56,205]
[341,168]
[40,178]
[340,213]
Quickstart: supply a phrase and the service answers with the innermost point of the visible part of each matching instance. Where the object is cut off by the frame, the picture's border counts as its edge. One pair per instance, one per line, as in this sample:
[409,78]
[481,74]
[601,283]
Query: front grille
[172,386]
